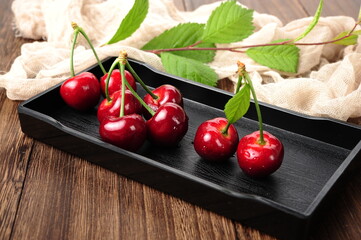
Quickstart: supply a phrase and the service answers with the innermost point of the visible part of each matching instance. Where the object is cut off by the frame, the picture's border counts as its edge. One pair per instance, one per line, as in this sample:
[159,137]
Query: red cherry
[81,92]
[257,160]
[212,144]
[168,125]
[112,108]
[165,93]
[127,132]
[115,81]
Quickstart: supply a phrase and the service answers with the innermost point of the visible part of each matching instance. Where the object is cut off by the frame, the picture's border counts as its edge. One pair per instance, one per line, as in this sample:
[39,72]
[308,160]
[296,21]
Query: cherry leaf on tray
[183,35]
[189,69]
[238,105]
[281,57]
[228,23]
[132,21]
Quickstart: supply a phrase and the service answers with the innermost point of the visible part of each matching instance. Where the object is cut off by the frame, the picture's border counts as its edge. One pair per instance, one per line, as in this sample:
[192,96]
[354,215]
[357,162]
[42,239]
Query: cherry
[168,125]
[112,107]
[81,92]
[165,93]
[115,81]
[258,159]
[214,142]
[127,132]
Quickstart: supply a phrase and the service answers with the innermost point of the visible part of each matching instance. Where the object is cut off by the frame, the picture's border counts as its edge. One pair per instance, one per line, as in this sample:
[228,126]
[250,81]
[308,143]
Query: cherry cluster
[125,119]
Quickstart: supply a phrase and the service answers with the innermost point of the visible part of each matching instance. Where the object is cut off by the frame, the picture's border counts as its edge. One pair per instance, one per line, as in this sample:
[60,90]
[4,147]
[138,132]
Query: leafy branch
[186,48]
[347,36]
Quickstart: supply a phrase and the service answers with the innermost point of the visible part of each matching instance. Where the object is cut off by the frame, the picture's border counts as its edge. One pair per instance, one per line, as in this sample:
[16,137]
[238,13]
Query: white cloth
[327,83]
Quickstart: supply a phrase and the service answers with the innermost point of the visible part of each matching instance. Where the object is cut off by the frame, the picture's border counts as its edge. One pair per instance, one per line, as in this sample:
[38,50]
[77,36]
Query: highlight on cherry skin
[81,92]
[212,143]
[259,160]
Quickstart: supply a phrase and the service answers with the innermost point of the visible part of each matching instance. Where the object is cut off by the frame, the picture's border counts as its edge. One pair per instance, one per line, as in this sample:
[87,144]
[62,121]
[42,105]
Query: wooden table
[48,194]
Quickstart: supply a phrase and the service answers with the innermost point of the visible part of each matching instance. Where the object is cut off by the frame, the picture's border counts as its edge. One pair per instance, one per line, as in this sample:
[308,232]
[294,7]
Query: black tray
[319,153]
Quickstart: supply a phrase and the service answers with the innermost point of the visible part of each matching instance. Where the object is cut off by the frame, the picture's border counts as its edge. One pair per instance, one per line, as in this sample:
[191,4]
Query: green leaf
[350,40]
[183,35]
[313,23]
[228,23]
[204,56]
[132,21]
[281,57]
[189,69]
[238,105]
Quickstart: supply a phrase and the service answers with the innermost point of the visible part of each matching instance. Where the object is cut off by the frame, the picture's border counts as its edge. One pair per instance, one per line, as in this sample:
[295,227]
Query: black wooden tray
[319,153]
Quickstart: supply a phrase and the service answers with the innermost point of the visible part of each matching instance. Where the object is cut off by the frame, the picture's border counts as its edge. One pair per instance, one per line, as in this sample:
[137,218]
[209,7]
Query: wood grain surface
[48,194]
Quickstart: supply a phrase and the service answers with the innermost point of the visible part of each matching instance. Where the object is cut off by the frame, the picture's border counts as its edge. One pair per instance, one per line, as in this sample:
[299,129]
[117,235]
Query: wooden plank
[287,11]
[278,8]
[180,5]
[333,8]
[65,197]
[213,226]
[15,149]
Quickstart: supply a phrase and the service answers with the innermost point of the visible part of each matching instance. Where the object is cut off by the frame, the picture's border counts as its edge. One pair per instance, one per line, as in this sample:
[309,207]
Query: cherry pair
[259,154]
[82,92]
[256,159]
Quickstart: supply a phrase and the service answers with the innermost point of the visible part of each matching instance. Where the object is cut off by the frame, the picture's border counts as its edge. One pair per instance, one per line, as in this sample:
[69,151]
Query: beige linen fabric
[327,83]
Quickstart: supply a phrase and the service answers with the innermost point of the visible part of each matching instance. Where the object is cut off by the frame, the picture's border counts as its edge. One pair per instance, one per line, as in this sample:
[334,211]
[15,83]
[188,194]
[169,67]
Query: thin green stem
[135,94]
[259,115]
[92,47]
[225,130]
[139,80]
[239,83]
[123,61]
[76,27]
[108,78]
[72,71]
[122,104]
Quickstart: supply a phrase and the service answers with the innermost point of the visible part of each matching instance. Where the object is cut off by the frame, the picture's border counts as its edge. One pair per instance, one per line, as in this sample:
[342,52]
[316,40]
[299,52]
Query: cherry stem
[225,130]
[122,60]
[244,73]
[122,69]
[240,76]
[72,72]
[139,80]
[108,78]
[239,84]
[79,29]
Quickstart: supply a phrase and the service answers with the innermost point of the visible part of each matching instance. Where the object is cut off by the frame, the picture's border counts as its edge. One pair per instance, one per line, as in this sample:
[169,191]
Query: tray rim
[306,214]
